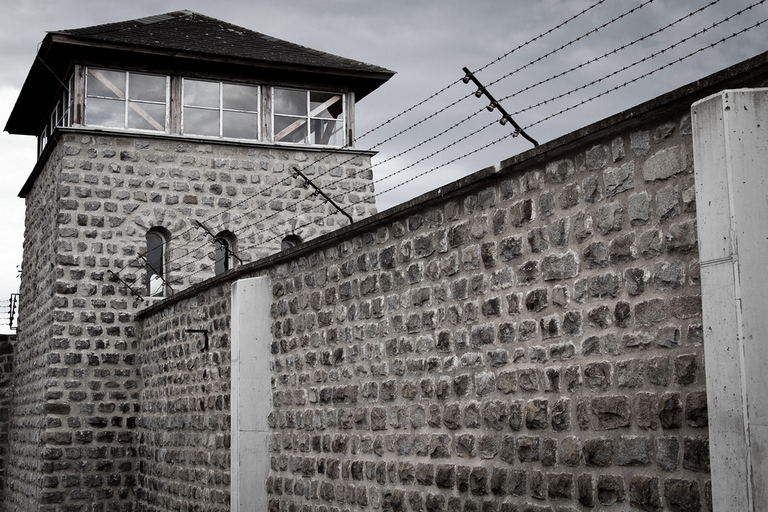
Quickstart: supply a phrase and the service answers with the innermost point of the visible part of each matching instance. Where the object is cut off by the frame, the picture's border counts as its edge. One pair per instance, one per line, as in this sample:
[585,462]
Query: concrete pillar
[251,398]
[730,148]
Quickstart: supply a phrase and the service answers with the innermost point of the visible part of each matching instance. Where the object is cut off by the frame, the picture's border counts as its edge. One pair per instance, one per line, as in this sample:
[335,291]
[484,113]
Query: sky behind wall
[427,43]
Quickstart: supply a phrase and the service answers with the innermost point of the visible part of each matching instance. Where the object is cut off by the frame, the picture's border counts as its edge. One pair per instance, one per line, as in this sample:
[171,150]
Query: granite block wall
[25,464]
[184,425]
[78,379]
[530,344]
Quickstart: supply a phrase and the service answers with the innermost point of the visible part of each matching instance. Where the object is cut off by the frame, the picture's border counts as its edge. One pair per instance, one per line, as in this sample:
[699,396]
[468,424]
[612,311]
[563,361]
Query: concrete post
[730,137]
[251,398]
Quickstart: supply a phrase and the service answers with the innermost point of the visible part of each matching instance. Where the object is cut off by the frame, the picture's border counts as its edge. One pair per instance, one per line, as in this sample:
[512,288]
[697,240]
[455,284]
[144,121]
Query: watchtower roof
[185,43]
[193,32]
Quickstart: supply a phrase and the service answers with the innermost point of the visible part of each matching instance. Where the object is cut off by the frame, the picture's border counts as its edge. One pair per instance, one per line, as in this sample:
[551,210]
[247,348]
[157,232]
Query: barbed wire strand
[640,61]
[543,34]
[569,43]
[612,52]
[645,75]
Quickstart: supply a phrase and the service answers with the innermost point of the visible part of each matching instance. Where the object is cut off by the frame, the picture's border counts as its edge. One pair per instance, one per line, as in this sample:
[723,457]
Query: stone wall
[531,344]
[78,381]
[27,465]
[184,424]
[526,339]
[6,395]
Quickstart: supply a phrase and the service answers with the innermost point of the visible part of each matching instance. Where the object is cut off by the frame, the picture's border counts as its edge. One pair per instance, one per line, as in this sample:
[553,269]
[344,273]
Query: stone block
[619,179]
[560,486]
[682,495]
[557,267]
[634,451]
[536,414]
[667,452]
[696,454]
[528,448]
[696,409]
[610,489]
[585,489]
[664,164]
[611,412]
[644,493]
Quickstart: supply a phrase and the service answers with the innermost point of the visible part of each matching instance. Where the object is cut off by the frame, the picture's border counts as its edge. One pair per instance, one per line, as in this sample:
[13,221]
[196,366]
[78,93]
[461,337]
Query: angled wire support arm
[307,181]
[12,310]
[505,117]
[229,252]
[130,288]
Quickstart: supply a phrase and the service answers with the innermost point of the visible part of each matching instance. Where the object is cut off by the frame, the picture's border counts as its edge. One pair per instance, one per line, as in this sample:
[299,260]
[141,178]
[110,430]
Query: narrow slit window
[155,281]
[224,252]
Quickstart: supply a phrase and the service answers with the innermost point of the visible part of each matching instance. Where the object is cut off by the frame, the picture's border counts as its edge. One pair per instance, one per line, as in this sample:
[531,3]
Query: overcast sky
[427,43]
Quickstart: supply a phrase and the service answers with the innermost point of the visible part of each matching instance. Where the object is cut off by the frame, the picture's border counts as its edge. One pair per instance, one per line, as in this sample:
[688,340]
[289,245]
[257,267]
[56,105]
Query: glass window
[121,99]
[216,109]
[223,257]
[308,117]
[155,257]
[224,253]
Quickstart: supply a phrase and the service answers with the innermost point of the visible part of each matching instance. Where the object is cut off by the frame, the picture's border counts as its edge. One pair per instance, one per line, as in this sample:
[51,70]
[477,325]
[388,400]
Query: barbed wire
[640,61]
[645,75]
[543,34]
[612,52]
[569,43]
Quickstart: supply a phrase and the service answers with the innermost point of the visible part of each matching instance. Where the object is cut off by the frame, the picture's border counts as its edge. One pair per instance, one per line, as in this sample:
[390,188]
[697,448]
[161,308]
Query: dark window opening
[290,241]
[155,283]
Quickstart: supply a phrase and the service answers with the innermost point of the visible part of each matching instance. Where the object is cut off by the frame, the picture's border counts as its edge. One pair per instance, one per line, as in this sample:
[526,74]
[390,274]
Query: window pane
[199,121]
[290,102]
[101,112]
[290,129]
[240,97]
[146,87]
[146,116]
[155,262]
[240,125]
[326,132]
[109,84]
[325,105]
[201,94]
[222,256]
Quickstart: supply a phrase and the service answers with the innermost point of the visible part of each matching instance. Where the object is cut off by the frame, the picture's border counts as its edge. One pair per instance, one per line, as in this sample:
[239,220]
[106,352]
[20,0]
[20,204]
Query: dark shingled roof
[193,32]
[182,43]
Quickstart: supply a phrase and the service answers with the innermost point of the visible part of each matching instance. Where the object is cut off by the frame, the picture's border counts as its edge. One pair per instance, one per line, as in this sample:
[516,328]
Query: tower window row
[142,102]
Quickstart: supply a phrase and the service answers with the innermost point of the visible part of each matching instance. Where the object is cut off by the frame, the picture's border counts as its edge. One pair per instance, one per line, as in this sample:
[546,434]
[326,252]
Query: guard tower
[166,155]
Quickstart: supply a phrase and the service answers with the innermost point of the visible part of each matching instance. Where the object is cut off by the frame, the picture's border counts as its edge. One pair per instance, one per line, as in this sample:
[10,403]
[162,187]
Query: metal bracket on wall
[205,333]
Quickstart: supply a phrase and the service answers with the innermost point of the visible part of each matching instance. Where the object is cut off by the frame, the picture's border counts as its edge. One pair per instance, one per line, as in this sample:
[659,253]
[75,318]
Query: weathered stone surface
[696,409]
[560,266]
[696,454]
[619,179]
[536,414]
[682,495]
[634,451]
[664,164]
[586,490]
[610,412]
[644,493]
[598,452]
[670,410]
[639,209]
[667,452]
[560,486]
